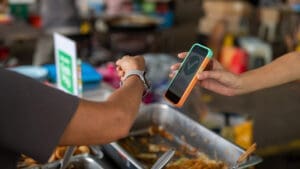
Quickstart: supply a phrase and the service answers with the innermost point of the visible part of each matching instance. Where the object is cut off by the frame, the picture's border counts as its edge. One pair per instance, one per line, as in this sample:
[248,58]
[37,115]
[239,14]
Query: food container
[180,126]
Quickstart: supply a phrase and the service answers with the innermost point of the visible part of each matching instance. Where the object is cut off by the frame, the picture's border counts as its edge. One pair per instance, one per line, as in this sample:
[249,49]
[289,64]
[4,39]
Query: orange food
[197,163]
[57,154]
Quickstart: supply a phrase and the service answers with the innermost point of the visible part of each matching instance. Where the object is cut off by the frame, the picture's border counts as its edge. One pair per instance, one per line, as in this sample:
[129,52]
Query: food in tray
[26,161]
[201,162]
[57,154]
[149,145]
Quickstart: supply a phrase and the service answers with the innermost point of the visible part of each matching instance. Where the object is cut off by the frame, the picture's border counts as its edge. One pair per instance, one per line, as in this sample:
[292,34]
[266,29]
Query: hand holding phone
[184,81]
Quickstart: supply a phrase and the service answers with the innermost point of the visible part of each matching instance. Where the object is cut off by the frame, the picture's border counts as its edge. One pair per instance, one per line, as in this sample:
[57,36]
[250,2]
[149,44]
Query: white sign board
[66,64]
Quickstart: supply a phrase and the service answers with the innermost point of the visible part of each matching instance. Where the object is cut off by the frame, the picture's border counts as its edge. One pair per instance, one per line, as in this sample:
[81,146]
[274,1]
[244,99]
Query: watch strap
[140,74]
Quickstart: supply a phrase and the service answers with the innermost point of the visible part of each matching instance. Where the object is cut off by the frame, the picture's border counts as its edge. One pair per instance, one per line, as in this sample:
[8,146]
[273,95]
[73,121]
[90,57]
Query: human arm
[35,118]
[103,122]
[282,70]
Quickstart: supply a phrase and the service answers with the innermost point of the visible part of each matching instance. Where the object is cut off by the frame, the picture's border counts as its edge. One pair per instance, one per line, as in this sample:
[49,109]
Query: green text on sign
[65,70]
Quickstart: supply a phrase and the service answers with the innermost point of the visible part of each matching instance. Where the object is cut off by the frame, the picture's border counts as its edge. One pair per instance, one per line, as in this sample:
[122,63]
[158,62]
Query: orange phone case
[194,80]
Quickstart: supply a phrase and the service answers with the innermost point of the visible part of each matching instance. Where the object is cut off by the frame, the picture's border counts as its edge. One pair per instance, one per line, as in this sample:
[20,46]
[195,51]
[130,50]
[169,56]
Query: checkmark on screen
[191,65]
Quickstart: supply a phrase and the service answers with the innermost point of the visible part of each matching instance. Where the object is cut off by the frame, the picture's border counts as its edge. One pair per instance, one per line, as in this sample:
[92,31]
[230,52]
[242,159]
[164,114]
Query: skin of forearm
[103,122]
[129,102]
[282,70]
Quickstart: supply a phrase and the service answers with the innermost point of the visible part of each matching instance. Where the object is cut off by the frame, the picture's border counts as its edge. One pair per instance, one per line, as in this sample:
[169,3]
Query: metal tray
[179,125]
[82,161]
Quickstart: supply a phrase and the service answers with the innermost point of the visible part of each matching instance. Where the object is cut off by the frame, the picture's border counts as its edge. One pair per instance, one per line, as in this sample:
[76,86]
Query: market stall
[210,130]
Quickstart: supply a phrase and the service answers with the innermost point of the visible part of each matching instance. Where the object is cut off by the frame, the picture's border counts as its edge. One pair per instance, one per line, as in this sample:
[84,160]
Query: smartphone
[183,82]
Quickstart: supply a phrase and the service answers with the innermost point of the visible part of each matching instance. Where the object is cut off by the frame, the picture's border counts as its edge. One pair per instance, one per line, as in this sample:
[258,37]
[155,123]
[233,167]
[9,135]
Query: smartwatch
[141,75]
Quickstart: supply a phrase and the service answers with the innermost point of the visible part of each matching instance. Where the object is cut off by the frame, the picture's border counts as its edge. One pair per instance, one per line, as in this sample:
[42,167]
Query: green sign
[66,65]
[66,71]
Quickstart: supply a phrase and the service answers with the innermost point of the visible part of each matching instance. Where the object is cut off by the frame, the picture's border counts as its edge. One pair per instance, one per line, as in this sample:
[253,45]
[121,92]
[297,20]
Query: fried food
[155,148]
[30,162]
[149,146]
[57,154]
[201,162]
[161,131]
[82,150]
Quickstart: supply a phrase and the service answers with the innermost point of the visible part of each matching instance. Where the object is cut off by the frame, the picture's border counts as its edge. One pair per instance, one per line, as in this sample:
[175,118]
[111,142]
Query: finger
[121,73]
[118,62]
[119,68]
[219,76]
[203,75]
[175,66]
[210,74]
[182,55]
[139,57]
[173,73]
[216,87]
[126,57]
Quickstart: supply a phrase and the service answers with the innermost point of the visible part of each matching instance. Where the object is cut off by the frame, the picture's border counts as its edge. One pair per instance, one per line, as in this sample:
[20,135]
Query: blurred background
[243,35]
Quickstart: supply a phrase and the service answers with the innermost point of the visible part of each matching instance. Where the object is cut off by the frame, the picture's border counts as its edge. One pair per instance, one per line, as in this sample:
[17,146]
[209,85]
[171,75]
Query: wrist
[138,74]
[136,82]
[133,80]
[245,85]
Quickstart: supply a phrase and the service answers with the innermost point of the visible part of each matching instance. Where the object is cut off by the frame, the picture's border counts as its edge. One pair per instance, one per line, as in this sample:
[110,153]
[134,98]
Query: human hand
[174,68]
[127,63]
[215,78]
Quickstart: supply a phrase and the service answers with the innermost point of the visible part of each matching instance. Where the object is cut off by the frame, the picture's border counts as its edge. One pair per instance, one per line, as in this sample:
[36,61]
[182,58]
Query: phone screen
[186,73]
